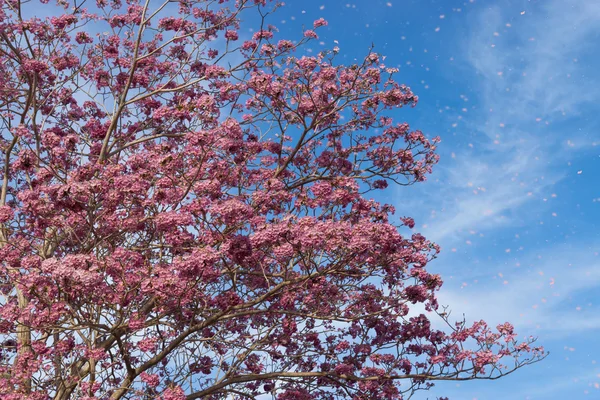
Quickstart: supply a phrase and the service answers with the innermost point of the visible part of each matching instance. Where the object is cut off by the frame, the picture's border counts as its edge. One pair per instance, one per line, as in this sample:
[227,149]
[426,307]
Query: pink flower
[285,45]
[310,34]
[136,323]
[6,214]
[63,21]
[231,35]
[83,37]
[320,22]
[147,345]
[262,35]
[175,393]
[151,380]
[438,359]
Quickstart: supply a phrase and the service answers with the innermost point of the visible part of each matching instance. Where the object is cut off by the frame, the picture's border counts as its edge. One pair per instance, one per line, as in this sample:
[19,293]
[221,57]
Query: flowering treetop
[185,214]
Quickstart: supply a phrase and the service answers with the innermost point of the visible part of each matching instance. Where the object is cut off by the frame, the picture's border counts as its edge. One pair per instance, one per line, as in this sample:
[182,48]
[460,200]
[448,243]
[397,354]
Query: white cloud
[535,55]
[499,182]
[541,299]
[525,86]
[486,193]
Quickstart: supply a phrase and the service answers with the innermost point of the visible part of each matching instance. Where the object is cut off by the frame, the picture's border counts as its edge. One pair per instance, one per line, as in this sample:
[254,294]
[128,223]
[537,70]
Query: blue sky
[513,89]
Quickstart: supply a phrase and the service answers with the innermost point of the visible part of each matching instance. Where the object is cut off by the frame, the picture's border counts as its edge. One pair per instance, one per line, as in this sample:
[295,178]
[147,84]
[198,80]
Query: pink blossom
[319,22]
[83,37]
[6,214]
[147,345]
[262,34]
[175,393]
[151,380]
[310,34]
[231,35]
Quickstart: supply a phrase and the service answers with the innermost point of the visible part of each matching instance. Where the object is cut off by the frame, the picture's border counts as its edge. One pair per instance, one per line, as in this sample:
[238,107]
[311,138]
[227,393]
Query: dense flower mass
[186,216]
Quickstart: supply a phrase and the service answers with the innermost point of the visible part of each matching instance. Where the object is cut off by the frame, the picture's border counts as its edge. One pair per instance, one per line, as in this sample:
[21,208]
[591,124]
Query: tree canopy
[187,213]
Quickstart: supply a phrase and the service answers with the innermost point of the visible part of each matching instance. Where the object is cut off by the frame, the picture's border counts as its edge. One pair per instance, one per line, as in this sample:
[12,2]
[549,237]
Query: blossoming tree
[185,214]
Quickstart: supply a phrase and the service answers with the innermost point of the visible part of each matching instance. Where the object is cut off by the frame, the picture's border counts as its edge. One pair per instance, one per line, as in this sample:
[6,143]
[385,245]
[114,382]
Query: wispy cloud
[546,295]
[526,77]
[536,55]
[525,63]
[542,384]
[485,192]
